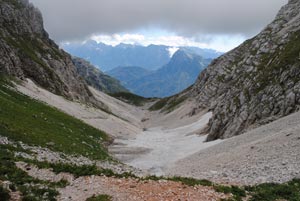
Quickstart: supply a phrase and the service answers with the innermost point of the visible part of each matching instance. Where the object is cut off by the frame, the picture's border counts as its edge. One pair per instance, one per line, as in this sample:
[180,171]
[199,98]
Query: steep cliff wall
[27,52]
[255,83]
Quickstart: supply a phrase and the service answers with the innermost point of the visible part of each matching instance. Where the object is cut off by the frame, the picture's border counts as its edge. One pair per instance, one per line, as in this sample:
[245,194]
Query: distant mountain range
[179,73]
[151,57]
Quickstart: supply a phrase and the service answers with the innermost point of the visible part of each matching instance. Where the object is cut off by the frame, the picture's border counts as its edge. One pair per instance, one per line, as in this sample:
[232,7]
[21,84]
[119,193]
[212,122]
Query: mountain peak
[181,56]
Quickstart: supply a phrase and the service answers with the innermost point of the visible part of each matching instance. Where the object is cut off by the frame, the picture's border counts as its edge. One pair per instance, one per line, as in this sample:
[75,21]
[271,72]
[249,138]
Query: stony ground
[155,149]
[46,155]
[269,153]
[79,189]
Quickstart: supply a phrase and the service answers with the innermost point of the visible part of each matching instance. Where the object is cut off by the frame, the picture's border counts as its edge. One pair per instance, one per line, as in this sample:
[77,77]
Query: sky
[216,24]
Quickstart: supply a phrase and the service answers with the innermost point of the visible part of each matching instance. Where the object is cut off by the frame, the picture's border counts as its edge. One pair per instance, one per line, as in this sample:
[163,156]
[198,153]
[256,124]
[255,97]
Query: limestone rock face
[27,52]
[96,78]
[255,83]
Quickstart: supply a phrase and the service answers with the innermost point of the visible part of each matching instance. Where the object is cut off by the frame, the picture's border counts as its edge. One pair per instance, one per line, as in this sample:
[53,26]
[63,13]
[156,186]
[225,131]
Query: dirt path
[128,189]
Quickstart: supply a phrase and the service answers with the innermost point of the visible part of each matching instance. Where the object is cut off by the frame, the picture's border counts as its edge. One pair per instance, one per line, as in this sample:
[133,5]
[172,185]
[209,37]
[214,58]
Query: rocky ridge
[257,82]
[27,52]
[96,78]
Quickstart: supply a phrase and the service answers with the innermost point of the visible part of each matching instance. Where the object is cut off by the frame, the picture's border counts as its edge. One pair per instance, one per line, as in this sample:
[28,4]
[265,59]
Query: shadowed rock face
[255,83]
[96,78]
[27,52]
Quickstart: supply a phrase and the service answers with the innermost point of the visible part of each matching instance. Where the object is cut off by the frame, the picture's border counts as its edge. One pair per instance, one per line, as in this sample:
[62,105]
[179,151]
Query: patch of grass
[34,123]
[174,103]
[159,104]
[31,188]
[184,180]
[273,65]
[167,104]
[27,48]
[4,194]
[130,98]
[237,192]
[270,192]
[154,178]
[60,184]
[191,181]
[100,198]
[77,171]
[221,78]
[87,170]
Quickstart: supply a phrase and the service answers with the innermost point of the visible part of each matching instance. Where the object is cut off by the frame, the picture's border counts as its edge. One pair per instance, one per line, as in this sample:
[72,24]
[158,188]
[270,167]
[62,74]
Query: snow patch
[165,147]
[172,50]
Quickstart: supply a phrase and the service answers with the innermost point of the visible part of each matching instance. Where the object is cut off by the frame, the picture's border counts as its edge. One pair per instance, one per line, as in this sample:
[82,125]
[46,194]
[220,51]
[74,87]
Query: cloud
[220,43]
[78,19]
[116,39]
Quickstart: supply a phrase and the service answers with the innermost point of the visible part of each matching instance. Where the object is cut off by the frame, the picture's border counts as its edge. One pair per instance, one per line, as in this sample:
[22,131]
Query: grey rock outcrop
[96,78]
[27,52]
[255,83]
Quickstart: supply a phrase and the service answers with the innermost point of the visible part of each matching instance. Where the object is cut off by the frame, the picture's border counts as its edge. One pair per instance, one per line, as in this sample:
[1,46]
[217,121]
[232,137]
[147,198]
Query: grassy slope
[34,123]
[167,104]
[130,98]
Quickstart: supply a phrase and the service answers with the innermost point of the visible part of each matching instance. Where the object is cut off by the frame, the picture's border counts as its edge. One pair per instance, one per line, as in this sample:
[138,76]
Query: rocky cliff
[27,52]
[96,78]
[255,83]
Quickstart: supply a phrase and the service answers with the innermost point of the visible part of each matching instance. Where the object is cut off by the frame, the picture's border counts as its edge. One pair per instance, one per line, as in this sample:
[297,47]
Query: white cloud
[220,43]
[116,39]
[79,19]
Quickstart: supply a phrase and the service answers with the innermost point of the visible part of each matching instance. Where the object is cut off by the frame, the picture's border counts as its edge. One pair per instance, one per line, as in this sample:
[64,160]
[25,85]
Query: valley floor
[158,148]
[169,144]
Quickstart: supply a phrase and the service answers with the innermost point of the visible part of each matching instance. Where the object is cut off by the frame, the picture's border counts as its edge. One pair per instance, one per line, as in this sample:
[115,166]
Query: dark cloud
[77,19]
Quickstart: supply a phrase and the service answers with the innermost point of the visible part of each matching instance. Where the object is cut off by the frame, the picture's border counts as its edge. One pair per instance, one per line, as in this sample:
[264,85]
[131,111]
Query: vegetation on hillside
[271,191]
[103,197]
[273,65]
[34,123]
[16,3]
[77,170]
[32,189]
[167,104]
[131,98]
[4,194]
